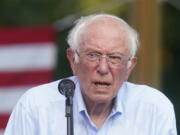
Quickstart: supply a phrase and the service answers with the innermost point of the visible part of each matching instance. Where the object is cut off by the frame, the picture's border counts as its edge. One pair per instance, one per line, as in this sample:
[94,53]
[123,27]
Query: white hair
[74,36]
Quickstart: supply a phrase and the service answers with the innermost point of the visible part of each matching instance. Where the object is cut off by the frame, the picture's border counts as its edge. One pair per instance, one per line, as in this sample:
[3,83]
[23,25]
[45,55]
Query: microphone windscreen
[66,87]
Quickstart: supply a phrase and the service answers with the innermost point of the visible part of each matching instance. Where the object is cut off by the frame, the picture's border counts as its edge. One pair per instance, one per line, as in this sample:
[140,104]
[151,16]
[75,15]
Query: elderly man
[102,56]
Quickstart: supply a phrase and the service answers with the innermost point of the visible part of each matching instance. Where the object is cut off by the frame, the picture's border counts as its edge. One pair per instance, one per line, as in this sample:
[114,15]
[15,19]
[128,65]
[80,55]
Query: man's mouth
[98,83]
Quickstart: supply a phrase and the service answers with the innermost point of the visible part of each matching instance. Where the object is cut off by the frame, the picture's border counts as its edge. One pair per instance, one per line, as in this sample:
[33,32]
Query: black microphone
[66,87]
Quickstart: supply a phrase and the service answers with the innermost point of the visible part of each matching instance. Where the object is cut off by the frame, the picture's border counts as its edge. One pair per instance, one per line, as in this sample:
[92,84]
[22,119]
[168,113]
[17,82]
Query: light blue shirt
[138,110]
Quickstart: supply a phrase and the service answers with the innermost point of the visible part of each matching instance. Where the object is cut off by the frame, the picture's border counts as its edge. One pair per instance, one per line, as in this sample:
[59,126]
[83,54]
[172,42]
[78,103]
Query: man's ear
[130,66]
[70,56]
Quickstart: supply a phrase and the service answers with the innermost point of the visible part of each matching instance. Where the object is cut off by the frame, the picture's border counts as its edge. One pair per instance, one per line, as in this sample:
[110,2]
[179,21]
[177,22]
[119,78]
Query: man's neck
[99,112]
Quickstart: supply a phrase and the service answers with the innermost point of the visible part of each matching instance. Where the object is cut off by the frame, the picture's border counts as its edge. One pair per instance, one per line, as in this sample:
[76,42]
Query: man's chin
[102,99]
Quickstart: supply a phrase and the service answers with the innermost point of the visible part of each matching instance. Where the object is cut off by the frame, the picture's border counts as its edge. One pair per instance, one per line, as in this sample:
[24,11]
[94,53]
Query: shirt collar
[118,101]
[80,102]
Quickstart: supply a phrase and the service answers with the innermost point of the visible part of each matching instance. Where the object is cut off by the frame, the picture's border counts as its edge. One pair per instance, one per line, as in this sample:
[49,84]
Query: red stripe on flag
[25,78]
[11,36]
[3,120]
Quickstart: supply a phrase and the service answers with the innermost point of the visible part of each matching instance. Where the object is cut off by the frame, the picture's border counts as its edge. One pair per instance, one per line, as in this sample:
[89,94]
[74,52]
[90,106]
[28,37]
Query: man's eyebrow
[116,53]
[93,51]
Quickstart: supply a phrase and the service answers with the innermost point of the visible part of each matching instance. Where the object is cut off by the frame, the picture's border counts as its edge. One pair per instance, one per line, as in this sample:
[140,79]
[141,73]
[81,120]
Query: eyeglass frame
[95,56]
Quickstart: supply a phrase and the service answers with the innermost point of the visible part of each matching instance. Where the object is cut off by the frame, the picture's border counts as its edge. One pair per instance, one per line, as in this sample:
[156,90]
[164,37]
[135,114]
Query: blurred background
[33,43]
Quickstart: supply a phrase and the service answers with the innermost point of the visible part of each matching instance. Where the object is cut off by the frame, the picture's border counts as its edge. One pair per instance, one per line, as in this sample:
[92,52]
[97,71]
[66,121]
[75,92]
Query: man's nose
[103,67]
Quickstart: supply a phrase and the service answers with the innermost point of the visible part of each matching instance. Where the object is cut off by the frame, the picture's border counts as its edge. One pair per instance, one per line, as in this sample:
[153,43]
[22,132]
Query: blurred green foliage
[29,12]
[33,12]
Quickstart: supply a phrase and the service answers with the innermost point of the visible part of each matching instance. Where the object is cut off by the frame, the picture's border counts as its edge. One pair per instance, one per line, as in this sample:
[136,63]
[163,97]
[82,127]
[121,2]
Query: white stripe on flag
[9,96]
[28,57]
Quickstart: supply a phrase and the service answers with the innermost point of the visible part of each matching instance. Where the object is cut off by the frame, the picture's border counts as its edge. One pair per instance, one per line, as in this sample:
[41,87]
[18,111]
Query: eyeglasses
[114,60]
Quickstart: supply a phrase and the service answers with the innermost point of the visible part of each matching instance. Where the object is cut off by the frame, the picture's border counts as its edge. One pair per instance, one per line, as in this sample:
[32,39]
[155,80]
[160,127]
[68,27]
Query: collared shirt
[137,110]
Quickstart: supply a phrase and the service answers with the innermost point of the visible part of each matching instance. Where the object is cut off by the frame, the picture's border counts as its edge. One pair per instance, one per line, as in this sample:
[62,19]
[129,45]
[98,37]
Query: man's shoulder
[147,95]
[42,95]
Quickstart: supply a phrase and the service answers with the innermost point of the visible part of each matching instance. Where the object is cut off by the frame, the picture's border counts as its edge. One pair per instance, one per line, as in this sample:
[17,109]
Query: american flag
[27,59]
